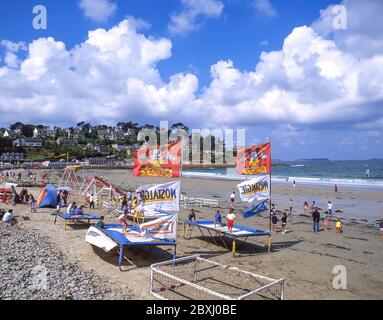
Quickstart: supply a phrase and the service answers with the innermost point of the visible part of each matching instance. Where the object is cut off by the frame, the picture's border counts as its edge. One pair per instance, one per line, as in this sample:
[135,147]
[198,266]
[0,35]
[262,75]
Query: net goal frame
[189,278]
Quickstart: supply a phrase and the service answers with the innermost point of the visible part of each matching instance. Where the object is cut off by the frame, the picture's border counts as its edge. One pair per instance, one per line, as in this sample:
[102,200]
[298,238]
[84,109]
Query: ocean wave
[298,180]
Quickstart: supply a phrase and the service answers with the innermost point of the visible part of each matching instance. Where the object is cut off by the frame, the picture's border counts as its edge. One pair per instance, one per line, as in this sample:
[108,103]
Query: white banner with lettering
[161,229]
[256,189]
[165,197]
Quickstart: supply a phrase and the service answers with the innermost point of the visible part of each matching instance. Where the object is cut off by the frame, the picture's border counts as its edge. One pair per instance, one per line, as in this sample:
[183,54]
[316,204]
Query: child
[274,221]
[191,215]
[217,219]
[325,220]
[338,226]
[122,220]
[230,220]
[79,211]
[138,215]
[100,223]
[33,204]
[305,207]
[284,223]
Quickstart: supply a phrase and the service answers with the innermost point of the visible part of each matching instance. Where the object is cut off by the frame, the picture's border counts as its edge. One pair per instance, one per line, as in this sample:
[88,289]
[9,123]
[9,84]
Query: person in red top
[230,220]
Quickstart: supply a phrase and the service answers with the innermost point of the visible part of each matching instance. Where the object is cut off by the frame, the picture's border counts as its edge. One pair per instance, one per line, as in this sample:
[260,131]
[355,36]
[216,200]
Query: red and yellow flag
[254,160]
[158,161]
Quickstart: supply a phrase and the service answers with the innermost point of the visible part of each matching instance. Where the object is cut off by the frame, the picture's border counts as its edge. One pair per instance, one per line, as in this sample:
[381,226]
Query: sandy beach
[306,260]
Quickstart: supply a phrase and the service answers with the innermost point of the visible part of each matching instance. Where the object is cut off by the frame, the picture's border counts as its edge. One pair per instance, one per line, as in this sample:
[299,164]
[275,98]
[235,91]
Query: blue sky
[277,68]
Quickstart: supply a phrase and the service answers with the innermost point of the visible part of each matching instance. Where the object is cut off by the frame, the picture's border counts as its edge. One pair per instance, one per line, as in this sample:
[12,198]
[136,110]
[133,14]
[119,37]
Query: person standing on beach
[291,206]
[336,188]
[381,228]
[294,184]
[230,220]
[232,199]
[217,219]
[316,219]
[305,207]
[33,204]
[329,205]
[273,210]
[284,223]
[338,227]
[91,202]
[191,215]
[325,220]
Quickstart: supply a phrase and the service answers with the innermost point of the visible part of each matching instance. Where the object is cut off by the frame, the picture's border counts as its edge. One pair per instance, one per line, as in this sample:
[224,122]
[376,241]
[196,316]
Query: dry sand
[304,259]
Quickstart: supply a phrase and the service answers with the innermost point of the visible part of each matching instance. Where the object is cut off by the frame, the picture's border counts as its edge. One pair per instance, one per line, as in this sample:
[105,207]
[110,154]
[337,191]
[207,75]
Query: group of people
[230,217]
[17,175]
[17,198]
[9,217]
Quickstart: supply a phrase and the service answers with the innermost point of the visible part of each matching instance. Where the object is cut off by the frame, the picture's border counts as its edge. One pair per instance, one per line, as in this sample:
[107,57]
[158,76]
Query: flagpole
[270,189]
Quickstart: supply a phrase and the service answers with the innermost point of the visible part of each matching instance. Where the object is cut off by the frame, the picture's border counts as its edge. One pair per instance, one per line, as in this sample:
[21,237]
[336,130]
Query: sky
[306,74]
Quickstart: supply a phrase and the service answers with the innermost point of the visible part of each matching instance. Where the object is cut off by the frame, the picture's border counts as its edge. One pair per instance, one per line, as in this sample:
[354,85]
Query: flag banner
[160,229]
[254,160]
[257,209]
[165,197]
[256,189]
[158,161]
[45,164]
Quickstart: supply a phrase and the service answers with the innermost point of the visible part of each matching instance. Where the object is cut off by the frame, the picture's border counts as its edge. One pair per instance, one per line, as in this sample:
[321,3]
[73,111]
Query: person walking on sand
[325,220]
[232,199]
[336,188]
[230,220]
[274,221]
[381,228]
[294,184]
[316,219]
[338,227]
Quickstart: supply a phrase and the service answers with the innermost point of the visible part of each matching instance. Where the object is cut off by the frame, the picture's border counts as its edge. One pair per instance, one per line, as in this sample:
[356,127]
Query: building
[112,134]
[102,149]
[12,156]
[104,161]
[28,142]
[66,142]
[129,132]
[119,147]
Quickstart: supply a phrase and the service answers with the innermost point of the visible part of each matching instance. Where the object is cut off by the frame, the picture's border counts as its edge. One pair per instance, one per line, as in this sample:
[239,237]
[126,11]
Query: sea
[320,172]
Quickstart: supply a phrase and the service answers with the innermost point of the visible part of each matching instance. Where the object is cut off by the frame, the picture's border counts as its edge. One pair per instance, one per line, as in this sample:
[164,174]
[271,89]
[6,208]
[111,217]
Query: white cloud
[265,7]
[313,81]
[97,10]
[187,20]
[363,35]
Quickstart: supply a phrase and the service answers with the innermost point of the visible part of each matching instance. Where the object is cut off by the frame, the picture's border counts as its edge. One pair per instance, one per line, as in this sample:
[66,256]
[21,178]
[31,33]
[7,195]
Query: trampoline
[68,218]
[221,231]
[111,236]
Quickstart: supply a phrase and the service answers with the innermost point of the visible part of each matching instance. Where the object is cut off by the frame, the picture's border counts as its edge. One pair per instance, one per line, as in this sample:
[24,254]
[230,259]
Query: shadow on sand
[136,257]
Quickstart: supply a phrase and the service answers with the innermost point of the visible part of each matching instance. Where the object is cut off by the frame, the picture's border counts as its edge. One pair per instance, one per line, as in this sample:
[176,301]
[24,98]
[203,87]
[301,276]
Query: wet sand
[306,260]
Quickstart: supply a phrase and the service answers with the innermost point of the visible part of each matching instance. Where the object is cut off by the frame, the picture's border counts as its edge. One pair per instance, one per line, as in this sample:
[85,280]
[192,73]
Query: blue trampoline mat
[87,216]
[238,230]
[133,236]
